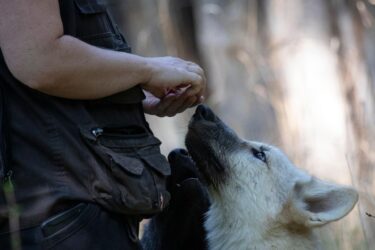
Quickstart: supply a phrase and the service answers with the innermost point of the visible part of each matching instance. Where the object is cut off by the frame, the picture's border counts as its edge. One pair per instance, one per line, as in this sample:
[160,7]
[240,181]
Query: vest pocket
[92,20]
[89,7]
[130,172]
[95,26]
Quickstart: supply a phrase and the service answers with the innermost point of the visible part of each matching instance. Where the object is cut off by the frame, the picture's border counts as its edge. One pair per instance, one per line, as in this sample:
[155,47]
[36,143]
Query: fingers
[195,68]
[198,100]
[177,84]
[185,97]
[173,105]
[170,105]
[180,105]
[165,104]
[198,80]
[170,73]
[190,102]
[156,91]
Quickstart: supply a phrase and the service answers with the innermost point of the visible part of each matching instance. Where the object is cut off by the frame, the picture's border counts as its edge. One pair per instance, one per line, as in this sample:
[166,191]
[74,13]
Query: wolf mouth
[204,127]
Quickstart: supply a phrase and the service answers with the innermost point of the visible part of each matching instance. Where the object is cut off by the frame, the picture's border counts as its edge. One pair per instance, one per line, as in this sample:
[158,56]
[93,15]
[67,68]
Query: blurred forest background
[299,74]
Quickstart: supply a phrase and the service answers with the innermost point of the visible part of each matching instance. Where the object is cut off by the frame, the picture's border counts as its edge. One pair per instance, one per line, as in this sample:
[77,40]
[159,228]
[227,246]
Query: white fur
[270,206]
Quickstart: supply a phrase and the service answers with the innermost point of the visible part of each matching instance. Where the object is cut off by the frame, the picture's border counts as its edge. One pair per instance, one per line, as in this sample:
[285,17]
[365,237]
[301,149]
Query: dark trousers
[84,227]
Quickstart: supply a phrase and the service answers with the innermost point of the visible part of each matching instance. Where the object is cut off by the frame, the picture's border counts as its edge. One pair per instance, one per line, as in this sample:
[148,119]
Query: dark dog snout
[177,153]
[204,113]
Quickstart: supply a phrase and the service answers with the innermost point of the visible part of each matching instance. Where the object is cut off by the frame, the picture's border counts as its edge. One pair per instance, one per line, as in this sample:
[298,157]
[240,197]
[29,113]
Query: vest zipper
[97,132]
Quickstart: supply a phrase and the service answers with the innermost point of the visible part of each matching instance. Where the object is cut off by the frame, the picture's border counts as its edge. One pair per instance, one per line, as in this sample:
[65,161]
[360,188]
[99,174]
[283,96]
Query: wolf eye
[260,155]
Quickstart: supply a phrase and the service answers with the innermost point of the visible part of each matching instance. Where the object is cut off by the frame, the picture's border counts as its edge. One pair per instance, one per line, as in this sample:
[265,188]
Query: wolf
[259,199]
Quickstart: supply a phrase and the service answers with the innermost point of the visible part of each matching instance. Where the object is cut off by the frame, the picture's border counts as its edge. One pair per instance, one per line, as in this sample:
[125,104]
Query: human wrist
[148,71]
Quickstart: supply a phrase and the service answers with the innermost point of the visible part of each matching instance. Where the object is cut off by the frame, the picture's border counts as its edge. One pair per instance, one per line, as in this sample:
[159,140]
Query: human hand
[170,105]
[171,75]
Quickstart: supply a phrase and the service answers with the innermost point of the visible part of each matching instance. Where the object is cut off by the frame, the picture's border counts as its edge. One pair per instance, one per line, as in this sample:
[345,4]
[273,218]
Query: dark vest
[64,151]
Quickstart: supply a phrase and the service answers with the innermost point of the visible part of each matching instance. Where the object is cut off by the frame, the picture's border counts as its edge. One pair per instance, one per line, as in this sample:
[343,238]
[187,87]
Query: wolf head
[258,183]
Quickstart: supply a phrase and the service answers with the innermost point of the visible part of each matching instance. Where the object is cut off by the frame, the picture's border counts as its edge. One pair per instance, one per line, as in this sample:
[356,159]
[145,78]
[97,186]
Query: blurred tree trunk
[354,28]
[228,35]
[319,51]
[300,74]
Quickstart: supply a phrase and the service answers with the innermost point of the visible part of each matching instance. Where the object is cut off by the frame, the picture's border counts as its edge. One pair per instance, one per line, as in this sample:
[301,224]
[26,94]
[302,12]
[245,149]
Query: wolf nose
[176,153]
[205,113]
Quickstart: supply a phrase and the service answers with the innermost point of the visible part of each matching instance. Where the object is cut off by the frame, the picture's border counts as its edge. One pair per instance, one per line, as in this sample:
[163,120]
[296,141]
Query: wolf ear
[315,203]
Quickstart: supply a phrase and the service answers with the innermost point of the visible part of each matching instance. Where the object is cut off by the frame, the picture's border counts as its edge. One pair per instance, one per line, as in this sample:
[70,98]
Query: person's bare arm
[42,57]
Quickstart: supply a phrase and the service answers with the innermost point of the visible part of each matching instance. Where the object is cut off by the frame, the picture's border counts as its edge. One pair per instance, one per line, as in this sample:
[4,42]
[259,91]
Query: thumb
[157,92]
[195,84]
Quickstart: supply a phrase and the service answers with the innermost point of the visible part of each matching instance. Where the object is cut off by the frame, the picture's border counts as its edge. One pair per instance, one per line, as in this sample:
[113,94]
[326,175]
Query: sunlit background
[299,74]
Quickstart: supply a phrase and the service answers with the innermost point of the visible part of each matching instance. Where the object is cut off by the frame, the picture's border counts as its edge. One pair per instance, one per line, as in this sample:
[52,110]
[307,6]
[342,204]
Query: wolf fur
[259,199]
[180,225]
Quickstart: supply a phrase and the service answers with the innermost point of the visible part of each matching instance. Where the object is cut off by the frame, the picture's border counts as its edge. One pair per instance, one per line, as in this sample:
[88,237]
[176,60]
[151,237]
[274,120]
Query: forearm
[38,54]
[73,69]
